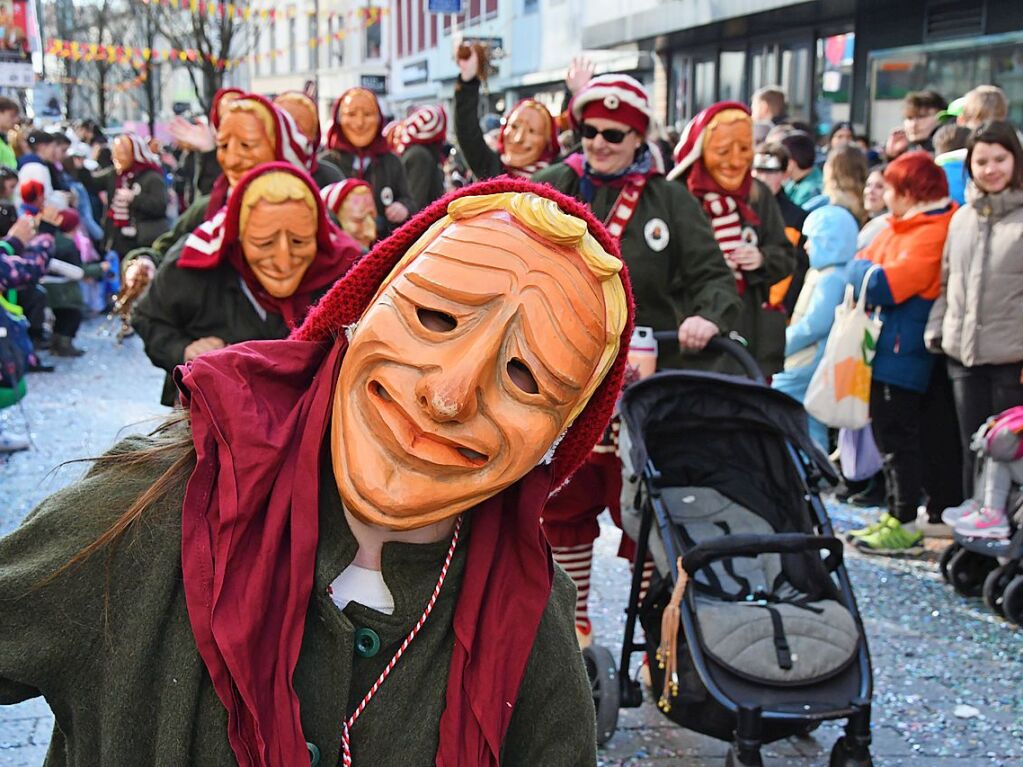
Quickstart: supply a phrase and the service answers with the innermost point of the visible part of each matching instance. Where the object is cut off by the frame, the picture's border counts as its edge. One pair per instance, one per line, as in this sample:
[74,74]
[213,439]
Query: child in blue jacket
[830,243]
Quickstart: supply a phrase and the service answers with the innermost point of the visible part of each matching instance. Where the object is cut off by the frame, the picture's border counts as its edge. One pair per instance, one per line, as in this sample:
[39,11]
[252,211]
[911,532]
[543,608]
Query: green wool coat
[148,213]
[424,174]
[675,264]
[386,175]
[110,647]
[184,305]
[187,222]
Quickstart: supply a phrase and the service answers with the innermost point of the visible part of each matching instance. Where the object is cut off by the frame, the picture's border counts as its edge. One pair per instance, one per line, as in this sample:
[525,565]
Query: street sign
[444,6]
[375,83]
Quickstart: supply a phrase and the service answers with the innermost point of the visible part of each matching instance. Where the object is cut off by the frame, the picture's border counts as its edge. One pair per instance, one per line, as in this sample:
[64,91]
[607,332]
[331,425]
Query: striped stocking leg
[648,573]
[577,561]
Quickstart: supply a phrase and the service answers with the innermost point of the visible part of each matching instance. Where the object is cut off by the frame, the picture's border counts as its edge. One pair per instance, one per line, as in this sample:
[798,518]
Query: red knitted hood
[336,137]
[260,413]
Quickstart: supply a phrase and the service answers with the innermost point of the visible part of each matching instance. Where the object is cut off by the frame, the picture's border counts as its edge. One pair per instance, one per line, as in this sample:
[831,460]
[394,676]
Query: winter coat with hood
[831,236]
[905,288]
[978,316]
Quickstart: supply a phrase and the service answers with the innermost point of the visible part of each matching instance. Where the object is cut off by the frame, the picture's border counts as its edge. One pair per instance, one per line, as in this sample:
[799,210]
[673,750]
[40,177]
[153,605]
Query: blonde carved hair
[274,187]
[254,108]
[544,218]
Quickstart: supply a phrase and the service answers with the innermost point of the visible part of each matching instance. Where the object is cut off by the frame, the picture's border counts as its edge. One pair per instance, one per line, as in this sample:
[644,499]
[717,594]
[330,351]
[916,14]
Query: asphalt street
[932,650]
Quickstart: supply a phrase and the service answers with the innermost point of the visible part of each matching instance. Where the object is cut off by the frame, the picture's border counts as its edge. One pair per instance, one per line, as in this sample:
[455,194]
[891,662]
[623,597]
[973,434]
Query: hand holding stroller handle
[704,553]
[732,345]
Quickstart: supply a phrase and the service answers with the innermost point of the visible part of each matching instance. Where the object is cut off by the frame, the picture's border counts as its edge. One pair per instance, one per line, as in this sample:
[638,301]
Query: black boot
[63,347]
[875,493]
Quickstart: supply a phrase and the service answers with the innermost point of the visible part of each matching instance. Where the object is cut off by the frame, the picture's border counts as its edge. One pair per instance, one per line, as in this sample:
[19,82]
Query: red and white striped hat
[427,125]
[334,194]
[613,97]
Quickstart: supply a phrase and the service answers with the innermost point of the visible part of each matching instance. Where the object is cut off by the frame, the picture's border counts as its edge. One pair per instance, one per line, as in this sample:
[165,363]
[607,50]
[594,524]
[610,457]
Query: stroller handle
[733,345]
[704,553]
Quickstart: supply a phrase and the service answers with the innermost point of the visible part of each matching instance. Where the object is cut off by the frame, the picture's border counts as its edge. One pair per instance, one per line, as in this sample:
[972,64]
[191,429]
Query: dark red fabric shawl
[217,240]
[260,411]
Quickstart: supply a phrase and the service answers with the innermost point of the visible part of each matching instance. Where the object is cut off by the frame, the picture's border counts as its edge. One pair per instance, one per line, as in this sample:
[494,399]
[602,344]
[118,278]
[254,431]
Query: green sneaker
[870,529]
[891,539]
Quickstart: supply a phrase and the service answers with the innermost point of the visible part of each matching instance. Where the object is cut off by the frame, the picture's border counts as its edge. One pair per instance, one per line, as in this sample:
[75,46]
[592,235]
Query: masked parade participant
[138,200]
[306,115]
[351,202]
[528,139]
[356,144]
[250,272]
[679,281]
[421,140]
[250,131]
[714,159]
[343,536]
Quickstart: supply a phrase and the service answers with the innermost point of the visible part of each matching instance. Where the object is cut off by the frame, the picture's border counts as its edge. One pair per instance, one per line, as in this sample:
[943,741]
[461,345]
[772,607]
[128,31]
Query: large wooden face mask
[242,144]
[358,216]
[463,372]
[728,149]
[360,117]
[525,136]
[123,154]
[279,243]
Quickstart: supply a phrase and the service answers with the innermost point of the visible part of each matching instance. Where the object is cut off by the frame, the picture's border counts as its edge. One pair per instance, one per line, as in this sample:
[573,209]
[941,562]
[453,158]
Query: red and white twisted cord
[346,746]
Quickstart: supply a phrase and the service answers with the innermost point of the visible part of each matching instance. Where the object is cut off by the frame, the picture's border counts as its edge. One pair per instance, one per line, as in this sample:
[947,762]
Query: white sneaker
[12,444]
[953,514]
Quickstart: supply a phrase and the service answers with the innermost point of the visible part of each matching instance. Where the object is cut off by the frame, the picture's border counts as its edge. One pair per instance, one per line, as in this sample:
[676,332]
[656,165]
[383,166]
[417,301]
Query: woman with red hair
[904,287]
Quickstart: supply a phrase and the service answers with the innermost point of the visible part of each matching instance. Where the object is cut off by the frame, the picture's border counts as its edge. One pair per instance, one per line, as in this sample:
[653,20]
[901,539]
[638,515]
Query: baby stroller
[991,568]
[770,641]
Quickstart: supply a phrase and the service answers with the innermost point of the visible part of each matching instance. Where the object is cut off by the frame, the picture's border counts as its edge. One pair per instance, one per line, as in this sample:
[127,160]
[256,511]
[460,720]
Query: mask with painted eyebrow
[440,403]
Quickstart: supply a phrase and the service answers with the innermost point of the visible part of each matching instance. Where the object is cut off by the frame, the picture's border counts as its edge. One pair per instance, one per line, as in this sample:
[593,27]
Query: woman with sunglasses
[714,161]
[679,281]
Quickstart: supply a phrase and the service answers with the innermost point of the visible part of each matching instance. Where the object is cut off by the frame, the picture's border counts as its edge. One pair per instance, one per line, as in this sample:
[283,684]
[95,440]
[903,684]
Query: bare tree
[215,38]
[142,31]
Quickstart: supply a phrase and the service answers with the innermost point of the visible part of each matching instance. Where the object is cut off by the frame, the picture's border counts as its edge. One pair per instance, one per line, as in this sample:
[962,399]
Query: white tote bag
[839,392]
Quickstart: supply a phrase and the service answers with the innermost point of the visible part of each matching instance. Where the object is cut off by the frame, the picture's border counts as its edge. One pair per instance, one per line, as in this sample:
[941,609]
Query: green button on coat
[367,643]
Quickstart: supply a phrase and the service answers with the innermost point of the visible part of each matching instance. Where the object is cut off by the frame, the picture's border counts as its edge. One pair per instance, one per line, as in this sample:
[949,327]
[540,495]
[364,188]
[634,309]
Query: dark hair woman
[977,318]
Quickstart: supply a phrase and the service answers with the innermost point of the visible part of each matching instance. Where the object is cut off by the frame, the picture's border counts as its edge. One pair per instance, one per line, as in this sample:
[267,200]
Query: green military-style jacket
[110,647]
[674,262]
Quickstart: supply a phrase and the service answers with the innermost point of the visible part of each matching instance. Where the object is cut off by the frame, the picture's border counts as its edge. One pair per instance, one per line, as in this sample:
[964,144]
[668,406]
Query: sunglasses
[611,135]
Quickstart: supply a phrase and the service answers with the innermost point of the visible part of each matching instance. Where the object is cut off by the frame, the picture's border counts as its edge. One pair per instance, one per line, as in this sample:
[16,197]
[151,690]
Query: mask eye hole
[519,374]
[439,322]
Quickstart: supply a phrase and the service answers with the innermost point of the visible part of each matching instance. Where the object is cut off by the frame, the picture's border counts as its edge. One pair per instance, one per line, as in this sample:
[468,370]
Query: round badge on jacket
[386,196]
[656,234]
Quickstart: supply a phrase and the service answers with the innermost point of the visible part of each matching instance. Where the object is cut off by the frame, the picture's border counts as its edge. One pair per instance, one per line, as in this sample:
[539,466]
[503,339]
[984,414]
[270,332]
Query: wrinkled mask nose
[451,393]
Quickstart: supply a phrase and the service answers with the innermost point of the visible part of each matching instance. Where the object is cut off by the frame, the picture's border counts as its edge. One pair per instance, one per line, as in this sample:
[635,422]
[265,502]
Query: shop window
[680,89]
[703,84]
[763,70]
[373,33]
[833,80]
[292,47]
[795,78]
[732,78]
[314,41]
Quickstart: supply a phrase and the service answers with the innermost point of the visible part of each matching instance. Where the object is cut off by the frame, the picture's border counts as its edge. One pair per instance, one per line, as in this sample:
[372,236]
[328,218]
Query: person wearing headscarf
[714,160]
[250,272]
[421,140]
[250,131]
[351,203]
[304,112]
[679,280]
[137,213]
[527,140]
[340,537]
[356,145]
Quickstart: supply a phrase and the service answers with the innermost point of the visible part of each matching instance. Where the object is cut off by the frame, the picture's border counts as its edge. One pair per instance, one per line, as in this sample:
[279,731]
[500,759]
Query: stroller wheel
[946,557]
[967,571]
[603,674]
[996,583]
[1012,601]
[842,756]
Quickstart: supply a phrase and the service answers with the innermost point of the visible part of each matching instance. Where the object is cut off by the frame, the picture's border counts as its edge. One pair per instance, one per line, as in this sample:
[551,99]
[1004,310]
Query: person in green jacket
[679,280]
[9,113]
[334,555]
[420,145]
[714,159]
[527,141]
[356,145]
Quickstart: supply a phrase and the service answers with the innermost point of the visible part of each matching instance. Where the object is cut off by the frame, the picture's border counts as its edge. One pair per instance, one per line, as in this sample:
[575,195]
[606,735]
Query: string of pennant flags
[114,87]
[78,51]
[245,12]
